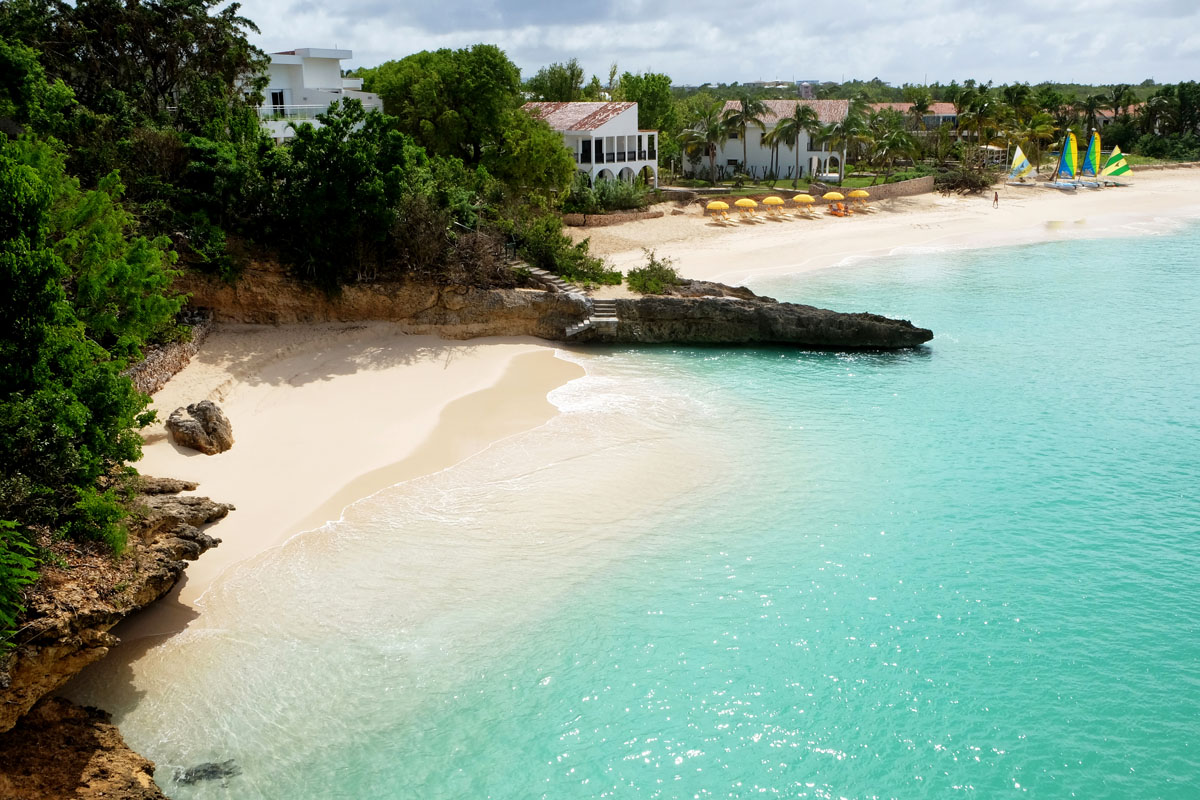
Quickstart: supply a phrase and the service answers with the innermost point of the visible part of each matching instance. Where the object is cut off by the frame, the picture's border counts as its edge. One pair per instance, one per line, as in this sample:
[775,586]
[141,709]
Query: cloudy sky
[698,41]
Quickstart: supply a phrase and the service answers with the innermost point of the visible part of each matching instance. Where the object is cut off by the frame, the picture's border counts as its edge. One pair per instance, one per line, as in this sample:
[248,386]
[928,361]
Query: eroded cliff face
[82,593]
[696,313]
[62,750]
[266,294]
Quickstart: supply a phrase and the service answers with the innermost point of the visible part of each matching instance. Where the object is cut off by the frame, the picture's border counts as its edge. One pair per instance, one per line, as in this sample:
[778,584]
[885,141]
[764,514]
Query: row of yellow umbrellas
[746,202]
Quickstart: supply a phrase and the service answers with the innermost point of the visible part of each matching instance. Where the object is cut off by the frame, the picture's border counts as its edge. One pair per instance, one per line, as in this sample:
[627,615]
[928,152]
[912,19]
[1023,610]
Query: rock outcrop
[695,313]
[162,362]
[201,426]
[62,750]
[84,591]
[729,320]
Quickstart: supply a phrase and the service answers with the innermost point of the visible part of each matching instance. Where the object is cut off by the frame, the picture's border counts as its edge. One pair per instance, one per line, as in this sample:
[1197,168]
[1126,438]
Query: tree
[531,159]
[562,83]
[1089,109]
[338,194]
[68,417]
[1035,133]
[803,120]
[451,102]
[738,119]
[1120,98]
[652,92]
[846,133]
[705,132]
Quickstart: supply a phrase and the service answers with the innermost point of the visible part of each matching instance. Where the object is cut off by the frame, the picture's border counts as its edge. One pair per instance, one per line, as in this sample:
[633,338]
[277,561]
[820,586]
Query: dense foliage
[584,198]
[655,277]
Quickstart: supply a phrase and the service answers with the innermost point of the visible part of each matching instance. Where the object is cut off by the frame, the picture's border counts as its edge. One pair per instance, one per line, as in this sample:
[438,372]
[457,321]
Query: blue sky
[697,41]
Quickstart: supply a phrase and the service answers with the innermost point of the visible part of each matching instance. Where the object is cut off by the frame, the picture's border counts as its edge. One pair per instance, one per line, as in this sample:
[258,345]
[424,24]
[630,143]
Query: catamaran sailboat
[1068,163]
[1020,168]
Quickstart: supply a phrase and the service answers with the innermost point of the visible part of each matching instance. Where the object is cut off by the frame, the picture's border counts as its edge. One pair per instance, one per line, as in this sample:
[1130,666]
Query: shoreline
[702,250]
[391,407]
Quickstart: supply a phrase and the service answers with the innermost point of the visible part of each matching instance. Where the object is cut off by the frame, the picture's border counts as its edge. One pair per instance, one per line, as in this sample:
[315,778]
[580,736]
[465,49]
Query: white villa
[604,138]
[814,159]
[305,82]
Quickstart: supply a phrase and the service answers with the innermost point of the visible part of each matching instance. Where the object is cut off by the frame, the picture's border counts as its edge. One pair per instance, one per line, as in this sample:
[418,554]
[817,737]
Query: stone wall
[599,220]
[885,191]
[162,362]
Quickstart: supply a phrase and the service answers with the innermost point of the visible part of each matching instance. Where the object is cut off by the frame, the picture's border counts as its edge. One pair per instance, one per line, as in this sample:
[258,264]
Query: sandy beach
[324,415]
[704,250]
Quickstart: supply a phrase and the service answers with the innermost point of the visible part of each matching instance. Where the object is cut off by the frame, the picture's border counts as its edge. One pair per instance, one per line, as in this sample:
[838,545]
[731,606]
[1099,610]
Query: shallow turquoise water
[972,568]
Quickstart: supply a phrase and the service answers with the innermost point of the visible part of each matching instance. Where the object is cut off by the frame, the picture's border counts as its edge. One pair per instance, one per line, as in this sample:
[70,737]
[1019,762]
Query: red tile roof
[827,110]
[935,109]
[577,116]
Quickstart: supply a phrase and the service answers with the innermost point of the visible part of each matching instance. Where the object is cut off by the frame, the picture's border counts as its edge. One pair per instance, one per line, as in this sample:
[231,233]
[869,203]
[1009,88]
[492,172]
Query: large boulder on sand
[201,426]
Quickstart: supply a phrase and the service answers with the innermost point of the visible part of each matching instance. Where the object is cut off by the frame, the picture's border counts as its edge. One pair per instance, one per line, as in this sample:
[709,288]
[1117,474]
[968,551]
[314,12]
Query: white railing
[290,112]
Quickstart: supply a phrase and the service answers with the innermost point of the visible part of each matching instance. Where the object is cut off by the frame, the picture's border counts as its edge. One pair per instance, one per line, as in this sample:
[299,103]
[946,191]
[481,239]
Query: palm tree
[1039,129]
[847,132]
[704,133]
[803,120]
[748,112]
[1089,108]
[1120,98]
[919,107]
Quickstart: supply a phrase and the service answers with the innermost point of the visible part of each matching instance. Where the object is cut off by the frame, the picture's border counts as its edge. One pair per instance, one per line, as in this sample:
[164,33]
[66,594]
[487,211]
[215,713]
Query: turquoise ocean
[970,569]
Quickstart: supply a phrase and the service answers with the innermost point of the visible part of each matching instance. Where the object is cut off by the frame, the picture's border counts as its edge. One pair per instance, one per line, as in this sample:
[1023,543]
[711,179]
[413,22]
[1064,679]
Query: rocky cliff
[83,591]
[699,313]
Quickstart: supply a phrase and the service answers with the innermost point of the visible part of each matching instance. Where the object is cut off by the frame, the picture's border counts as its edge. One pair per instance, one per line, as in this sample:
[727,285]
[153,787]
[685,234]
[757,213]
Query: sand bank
[324,415]
[736,254]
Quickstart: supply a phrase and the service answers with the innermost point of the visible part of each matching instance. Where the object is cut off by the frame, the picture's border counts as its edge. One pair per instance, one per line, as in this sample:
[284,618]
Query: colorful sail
[1116,164]
[1068,161]
[1020,165]
[1091,159]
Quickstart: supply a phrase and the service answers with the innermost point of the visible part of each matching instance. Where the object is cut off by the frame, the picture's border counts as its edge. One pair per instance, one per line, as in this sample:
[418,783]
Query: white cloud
[696,41]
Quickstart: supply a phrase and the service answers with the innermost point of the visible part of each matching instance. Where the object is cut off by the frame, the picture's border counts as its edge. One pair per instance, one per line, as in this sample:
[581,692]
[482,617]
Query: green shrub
[542,243]
[17,570]
[655,277]
[604,196]
[964,181]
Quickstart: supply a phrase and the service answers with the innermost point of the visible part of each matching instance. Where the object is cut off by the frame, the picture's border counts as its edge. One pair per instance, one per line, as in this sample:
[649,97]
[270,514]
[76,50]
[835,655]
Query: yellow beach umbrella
[718,205]
[773,201]
[833,196]
[746,202]
[804,198]
[860,193]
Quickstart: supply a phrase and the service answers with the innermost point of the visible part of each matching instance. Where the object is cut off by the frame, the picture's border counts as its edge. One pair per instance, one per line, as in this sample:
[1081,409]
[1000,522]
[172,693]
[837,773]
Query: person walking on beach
[995,199]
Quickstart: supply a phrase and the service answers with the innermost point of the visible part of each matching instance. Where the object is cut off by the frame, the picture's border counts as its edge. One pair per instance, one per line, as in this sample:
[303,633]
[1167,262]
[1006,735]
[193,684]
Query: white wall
[322,73]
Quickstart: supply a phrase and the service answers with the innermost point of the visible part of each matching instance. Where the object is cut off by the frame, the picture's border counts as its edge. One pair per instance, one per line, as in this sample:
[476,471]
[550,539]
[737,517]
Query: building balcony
[610,158]
[295,112]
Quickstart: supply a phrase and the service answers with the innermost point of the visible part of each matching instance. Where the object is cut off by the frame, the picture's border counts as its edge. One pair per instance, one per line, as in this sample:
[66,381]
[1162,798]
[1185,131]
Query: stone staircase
[604,312]
[553,282]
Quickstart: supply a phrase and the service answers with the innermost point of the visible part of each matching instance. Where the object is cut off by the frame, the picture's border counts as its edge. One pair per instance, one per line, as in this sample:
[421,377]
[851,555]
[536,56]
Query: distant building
[934,118]
[305,82]
[604,139]
[807,90]
[814,158]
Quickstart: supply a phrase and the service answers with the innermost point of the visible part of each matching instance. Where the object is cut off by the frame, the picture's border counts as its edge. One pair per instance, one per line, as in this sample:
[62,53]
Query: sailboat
[1090,168]
[1116,170]
[1020,168]
[1068,161]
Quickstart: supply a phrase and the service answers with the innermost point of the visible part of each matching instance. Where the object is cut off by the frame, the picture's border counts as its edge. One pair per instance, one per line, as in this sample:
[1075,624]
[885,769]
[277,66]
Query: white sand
[324,415]
[734,254]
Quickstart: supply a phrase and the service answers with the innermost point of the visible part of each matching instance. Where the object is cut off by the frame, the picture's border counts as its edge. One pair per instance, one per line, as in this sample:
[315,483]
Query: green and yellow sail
[1068,161]
[1116,164]
[1091,159]
[1020,165]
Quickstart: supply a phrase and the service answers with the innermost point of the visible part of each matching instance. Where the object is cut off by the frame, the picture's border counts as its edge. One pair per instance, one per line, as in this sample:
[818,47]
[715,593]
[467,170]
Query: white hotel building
[305,82]
[604,139]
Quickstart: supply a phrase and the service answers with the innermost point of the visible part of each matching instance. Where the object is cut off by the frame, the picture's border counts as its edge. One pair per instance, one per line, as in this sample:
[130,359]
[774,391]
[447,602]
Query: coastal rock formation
[161,362]
[201,426]
[696,313]
[84,591]
[731,319]
[63,750]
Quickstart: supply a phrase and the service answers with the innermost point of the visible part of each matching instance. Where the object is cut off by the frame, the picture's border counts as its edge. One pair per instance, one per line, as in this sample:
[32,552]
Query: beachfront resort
[439,424]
